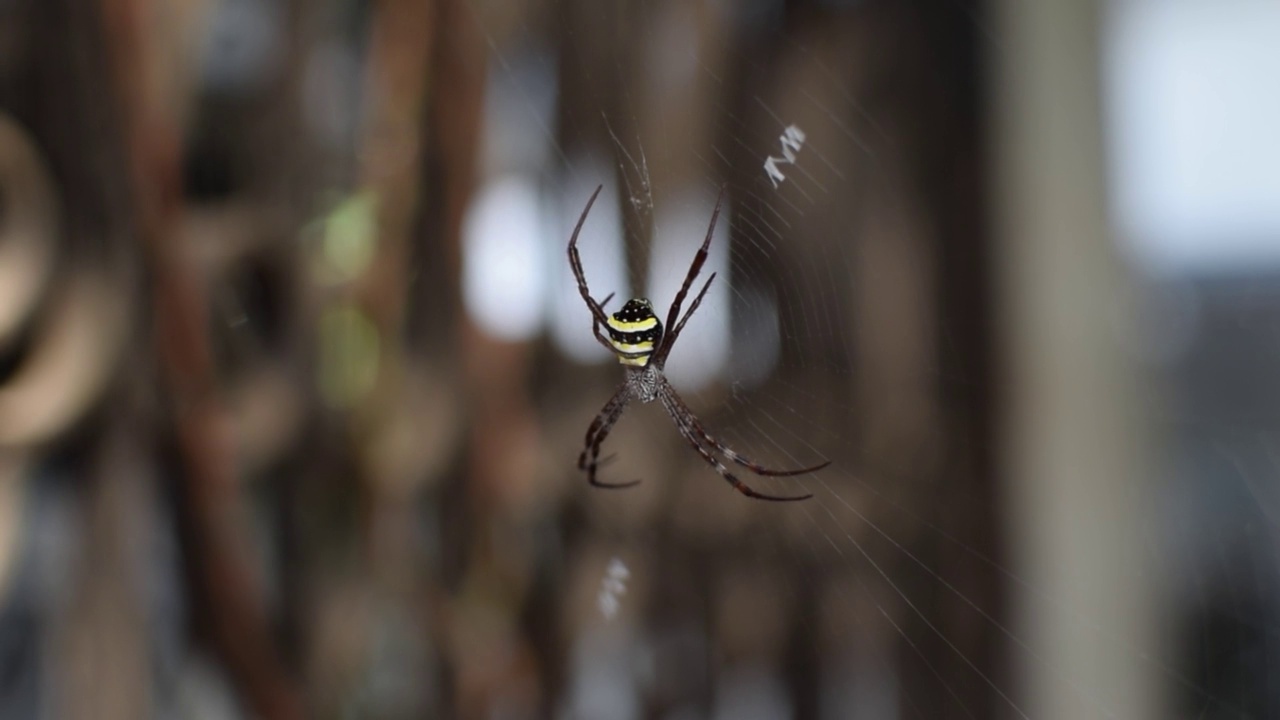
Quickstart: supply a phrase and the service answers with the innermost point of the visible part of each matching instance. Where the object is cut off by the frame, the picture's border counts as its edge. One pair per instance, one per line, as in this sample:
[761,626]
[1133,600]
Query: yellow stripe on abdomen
[636,354]
[648,323]
[632,348]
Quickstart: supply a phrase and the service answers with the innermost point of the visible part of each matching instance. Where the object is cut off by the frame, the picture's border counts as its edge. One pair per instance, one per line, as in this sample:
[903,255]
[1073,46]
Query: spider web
[821,339]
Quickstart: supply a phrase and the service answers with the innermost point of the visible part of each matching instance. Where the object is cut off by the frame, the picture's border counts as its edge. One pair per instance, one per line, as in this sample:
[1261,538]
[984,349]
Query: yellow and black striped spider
[636,338]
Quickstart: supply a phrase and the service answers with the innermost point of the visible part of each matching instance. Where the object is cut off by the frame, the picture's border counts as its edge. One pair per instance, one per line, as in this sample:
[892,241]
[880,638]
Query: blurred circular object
[252,287]
[28,227]
[72,355]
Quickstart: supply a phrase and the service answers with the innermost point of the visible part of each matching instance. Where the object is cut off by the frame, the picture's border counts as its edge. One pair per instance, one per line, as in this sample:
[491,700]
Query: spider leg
[600,338]
[750,464]
[696,267]
[596,435]
[690,430]
[668,342]
[733,455]
[595,328]
[575,262]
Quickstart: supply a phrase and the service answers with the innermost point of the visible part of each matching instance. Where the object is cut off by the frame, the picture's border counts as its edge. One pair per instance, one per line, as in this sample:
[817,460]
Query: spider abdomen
[634,332]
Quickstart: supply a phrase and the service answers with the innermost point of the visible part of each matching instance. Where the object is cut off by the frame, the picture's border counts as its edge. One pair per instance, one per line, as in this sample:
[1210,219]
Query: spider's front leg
[673,333]
[595,327]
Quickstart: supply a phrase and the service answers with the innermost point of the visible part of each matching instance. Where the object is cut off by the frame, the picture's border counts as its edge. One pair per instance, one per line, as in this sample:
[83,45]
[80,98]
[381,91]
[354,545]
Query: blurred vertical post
[1074,435]
[391,166]
[224,588]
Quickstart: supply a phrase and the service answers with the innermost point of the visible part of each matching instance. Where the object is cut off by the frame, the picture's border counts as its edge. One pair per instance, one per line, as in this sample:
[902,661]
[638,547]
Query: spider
[637,339]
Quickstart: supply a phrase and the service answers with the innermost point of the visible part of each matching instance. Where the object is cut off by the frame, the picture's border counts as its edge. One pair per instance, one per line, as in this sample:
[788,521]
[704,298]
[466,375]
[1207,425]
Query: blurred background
[294,375]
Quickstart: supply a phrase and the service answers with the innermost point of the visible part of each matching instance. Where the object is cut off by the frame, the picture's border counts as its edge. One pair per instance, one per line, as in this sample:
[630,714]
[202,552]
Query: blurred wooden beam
[1075,456]
[224,590]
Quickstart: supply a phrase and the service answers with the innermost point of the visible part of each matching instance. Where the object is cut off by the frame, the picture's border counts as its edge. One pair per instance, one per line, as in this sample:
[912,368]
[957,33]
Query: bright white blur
[503,273]
[1193,113]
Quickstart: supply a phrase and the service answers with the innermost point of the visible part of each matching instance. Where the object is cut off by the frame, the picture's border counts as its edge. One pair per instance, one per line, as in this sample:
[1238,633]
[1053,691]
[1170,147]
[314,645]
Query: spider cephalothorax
[636,337]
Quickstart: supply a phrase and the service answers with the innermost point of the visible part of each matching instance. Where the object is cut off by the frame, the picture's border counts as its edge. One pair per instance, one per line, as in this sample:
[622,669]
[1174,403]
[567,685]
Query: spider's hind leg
[589,460]
[689,435]
[689,428]
[754,466]
[734,455]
